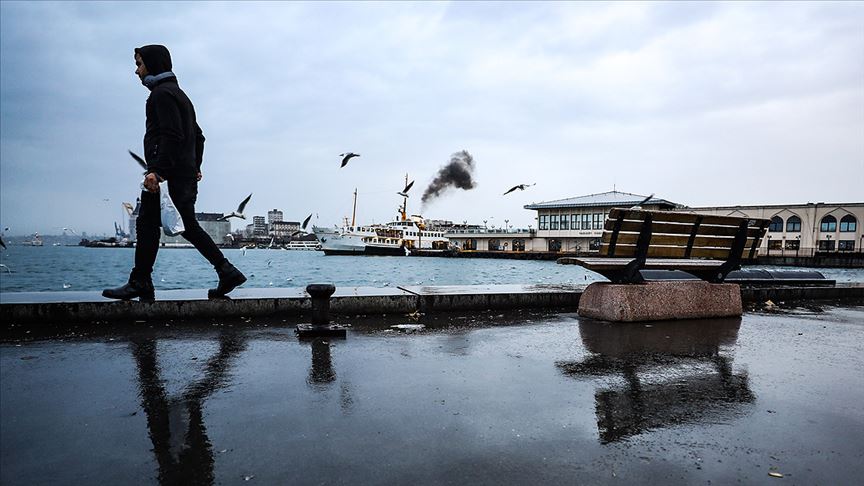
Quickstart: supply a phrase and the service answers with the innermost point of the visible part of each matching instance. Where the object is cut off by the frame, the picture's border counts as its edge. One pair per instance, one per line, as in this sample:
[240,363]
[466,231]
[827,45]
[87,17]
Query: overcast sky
[700,103]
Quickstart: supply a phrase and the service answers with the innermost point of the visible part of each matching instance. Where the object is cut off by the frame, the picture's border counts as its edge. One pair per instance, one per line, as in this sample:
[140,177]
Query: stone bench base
[660,301]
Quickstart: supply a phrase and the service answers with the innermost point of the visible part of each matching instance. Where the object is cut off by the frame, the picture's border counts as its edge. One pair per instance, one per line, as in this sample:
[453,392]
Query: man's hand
[151,182]
[200,175]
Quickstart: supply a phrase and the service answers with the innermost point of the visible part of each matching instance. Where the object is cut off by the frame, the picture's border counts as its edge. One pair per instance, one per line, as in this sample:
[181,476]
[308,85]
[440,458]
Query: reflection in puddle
[662,374]
[175,423]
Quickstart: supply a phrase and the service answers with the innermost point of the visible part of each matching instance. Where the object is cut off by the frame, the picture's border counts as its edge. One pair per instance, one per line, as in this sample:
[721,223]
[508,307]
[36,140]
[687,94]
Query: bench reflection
[660,374]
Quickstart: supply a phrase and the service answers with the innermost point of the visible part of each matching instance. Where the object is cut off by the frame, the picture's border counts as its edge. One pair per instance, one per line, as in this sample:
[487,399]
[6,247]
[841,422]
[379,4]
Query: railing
[490,231]
[805,252]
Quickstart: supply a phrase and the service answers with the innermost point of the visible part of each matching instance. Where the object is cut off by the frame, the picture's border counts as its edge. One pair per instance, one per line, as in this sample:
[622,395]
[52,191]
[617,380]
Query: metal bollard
[320,326]
[320,294]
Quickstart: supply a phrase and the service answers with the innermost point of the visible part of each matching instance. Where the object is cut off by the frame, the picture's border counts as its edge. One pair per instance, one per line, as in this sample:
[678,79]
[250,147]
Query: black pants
[184,193]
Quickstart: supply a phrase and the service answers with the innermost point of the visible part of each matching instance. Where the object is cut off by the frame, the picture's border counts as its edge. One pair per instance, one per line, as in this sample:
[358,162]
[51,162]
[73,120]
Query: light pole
[769,245]
[798,247]
[506,222]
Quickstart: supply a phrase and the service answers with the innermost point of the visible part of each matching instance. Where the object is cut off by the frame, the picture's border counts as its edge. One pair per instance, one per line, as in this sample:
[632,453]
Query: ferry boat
[35,241]
[301,245]
[396,238]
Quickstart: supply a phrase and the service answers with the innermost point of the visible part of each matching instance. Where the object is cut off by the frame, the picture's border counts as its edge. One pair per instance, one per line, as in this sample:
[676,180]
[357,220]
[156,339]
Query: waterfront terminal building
[575,225]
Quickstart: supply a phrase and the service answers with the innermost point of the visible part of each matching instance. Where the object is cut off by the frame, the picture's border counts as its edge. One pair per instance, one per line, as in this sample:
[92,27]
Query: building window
[846,245]
[494,245]
[793,244]
[776,225]
[775,244]
[828,225]
[598,221]
[519,245]
[574,221]
[594,244]
[553,225]
[544,222]
[554,245]
[848,224]
[564,224]
[586,221]
[826,245]
[793,224]
[470,244]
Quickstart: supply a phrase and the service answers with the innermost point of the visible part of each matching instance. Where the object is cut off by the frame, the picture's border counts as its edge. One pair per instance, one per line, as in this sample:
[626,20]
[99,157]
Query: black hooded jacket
[173,141]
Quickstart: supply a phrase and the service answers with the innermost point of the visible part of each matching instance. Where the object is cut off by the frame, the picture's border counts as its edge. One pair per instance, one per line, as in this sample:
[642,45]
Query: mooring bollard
[320,294]
[320,326]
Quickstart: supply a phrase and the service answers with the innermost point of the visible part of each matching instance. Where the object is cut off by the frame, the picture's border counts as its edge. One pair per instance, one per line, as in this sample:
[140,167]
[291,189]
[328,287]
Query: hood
[156,58]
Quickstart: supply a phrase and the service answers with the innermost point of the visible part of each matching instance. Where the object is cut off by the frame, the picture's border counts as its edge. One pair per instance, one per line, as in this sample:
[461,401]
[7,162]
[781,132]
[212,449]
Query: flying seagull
[521,187]
[306,221]
[404,192]
[639,206]
[138,159]
[346,157]
[239,212]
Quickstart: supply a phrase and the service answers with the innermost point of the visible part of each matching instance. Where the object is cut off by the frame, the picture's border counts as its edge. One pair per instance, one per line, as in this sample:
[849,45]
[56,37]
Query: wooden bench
[708,247]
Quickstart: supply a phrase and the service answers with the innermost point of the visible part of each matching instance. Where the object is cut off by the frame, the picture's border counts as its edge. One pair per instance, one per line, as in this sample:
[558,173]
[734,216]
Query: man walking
[173,150]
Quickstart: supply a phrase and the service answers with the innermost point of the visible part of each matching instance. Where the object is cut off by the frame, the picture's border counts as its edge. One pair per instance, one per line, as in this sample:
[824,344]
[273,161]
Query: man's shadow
[674,372]
[175,423]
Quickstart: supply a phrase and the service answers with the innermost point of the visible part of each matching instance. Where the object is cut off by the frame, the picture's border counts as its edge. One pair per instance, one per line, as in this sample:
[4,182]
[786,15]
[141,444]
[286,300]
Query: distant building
[259,226]
[283,229]
[133,218]
[249,232]
[209,223]
[802,229]
[576,224]
[274,215]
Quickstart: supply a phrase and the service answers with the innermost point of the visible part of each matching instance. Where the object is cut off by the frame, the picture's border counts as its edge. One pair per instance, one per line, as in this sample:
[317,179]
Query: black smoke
[457,173]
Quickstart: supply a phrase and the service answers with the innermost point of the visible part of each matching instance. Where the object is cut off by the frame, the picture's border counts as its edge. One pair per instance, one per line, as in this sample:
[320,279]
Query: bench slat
[680,229]
[676,252]
[592,263]
[680,217]
[675,240]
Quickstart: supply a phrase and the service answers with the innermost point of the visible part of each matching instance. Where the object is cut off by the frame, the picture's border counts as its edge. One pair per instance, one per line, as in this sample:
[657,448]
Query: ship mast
[354,211]
[405,202]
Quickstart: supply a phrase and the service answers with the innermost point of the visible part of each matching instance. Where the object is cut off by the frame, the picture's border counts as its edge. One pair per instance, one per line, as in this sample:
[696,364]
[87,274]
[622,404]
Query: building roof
[603,199]
[208,216]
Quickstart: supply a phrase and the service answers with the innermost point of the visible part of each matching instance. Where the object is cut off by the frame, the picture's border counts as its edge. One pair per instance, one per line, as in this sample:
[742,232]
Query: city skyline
[706,104]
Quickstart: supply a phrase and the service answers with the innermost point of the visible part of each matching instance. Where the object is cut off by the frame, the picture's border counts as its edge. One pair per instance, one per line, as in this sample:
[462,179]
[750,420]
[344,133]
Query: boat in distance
[398,238]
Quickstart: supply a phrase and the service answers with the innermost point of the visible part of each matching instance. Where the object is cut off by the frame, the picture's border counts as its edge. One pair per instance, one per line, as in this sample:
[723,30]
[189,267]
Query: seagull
[346,157]
[139,160]
[404,192]
[521,187]
[2,244]
[70,230]
[306,221]
[7,268]
[239,212]
[639,206]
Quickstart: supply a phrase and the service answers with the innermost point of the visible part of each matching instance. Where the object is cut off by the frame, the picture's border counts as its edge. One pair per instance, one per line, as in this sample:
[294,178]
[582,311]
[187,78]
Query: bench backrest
[680,235]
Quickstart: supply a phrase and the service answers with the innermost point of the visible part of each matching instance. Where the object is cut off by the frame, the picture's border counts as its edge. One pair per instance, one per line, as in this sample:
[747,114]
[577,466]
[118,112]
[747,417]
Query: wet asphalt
[483,398]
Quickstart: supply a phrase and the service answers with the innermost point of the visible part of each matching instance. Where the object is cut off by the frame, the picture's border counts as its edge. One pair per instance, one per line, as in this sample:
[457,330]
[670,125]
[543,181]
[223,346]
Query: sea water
[74,268]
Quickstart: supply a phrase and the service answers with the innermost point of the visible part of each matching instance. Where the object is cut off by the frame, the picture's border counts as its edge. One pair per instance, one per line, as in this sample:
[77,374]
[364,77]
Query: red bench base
[660,301]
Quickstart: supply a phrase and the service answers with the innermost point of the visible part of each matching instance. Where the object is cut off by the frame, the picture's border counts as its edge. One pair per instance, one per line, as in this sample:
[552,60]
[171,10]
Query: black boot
[139,286]
[229,278]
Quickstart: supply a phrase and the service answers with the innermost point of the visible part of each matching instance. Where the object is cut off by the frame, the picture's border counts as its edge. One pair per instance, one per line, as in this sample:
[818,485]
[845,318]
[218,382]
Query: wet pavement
[480,398]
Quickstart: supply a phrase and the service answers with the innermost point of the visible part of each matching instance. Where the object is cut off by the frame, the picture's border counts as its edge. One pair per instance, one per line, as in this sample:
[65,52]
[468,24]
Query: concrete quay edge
[54,307]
